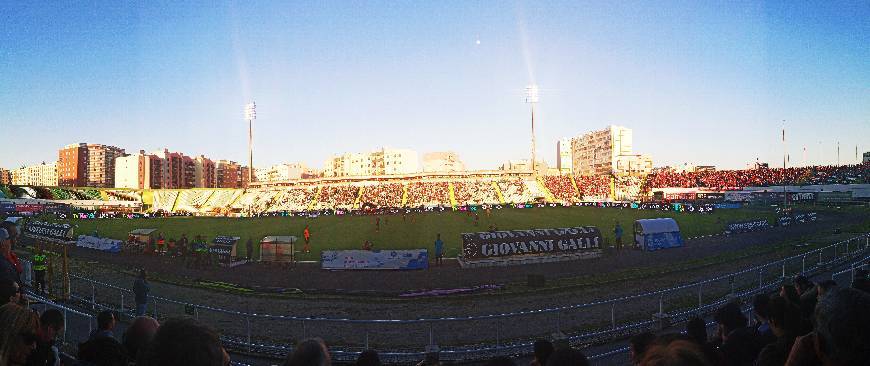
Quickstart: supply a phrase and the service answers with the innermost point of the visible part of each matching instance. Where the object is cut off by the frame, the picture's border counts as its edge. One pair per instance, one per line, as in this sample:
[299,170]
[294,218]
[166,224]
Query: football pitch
[413,231]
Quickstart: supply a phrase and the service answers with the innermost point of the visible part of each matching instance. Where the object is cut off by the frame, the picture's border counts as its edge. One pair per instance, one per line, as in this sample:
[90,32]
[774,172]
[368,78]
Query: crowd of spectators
[428,194]
[562,188]
[760,177]
[382,195]
[515,190]
[474,192]
[293,199]
[804,324]
[337,197]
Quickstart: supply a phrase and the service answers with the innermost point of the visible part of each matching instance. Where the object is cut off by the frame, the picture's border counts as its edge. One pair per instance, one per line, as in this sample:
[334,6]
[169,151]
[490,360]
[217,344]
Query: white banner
[104,244]
[374,259]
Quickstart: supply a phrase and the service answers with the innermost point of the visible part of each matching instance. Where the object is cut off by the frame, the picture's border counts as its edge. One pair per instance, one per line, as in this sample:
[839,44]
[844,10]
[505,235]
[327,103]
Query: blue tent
[655,234]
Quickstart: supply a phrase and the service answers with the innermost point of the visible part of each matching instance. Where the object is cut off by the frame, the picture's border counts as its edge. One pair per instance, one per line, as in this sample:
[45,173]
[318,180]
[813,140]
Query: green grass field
[350,232]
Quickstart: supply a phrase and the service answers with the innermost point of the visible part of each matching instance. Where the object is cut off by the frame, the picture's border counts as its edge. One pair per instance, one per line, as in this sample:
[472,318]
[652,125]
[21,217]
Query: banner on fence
[801,196]
[746,226]
[797,218]
[7,207]
[374,259]
[710,196]
[49,230]
[495,244]
[224,247]
[834,197]
[103,244]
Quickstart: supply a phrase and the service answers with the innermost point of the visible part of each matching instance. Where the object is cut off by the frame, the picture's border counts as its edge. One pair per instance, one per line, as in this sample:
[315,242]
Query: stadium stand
[191,200]
[428,194]
[342,196]
[475,192]
[382,195]
[562,188]
[515,190]
[761,177]
[421,191]
[294,199]
[164,200]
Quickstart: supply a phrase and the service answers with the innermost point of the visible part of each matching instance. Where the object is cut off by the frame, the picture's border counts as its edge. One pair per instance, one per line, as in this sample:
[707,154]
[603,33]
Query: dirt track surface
[379,289]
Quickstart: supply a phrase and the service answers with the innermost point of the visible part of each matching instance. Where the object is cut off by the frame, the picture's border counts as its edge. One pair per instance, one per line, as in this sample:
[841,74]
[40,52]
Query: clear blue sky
[699,82]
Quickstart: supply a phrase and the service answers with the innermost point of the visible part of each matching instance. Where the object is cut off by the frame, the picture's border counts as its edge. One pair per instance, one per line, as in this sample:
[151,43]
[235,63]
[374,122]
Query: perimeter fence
[478,337]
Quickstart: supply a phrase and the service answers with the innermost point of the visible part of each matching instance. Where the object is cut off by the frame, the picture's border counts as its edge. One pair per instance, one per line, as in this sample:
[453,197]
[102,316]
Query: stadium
[741,233]
[434,183]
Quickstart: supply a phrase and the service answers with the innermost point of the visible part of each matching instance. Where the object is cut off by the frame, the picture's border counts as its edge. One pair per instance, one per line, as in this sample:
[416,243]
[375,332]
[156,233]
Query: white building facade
[384,161]
[442,162]
[44,175]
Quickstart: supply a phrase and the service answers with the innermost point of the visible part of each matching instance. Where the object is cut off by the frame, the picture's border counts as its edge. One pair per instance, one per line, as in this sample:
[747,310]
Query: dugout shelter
[655,234]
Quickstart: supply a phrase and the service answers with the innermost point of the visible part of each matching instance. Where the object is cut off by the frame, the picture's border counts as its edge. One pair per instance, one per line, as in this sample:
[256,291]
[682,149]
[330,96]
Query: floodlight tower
[532,99]
[250,116]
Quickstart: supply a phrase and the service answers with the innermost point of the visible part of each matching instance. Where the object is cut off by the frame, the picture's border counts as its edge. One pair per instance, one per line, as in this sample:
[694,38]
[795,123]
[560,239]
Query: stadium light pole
[250,116]
[784,157]
[532,93]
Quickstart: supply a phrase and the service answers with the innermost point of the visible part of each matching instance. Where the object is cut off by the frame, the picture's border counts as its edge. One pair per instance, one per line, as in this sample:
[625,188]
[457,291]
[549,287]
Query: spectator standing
[184,342]
[46,352]
[171,247]
[761,312]
[367,245]
[105,325]
[141,288]
[638,345]
[543,349]
[182,245]
[617,231]
[39,267]
[249,249]
[310,352]
[785,322]
[368,358]
[17,334]
[10,267]
[807,299]
[737,341]
[102,351]
[307,235]
[137,336]
[439,250]
[843,327]
[9,292]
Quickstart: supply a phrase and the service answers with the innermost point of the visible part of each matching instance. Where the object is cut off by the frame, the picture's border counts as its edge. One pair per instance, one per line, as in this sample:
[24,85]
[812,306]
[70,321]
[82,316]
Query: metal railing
[486,335]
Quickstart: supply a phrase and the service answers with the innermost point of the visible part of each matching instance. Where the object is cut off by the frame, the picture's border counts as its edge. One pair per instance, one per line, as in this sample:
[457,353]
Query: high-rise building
[384,161]
[179,170]
[140,171]
[442,162]
[608,151]
[227,174]
[90,165]
[563,156]
[44,175]
[5,176]
[72,165]
[204,172]
[245,172]
[101,164]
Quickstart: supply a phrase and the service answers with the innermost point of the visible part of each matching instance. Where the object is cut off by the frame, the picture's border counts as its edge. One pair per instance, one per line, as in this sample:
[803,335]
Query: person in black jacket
[141,288]
[785,322]
[737,342]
